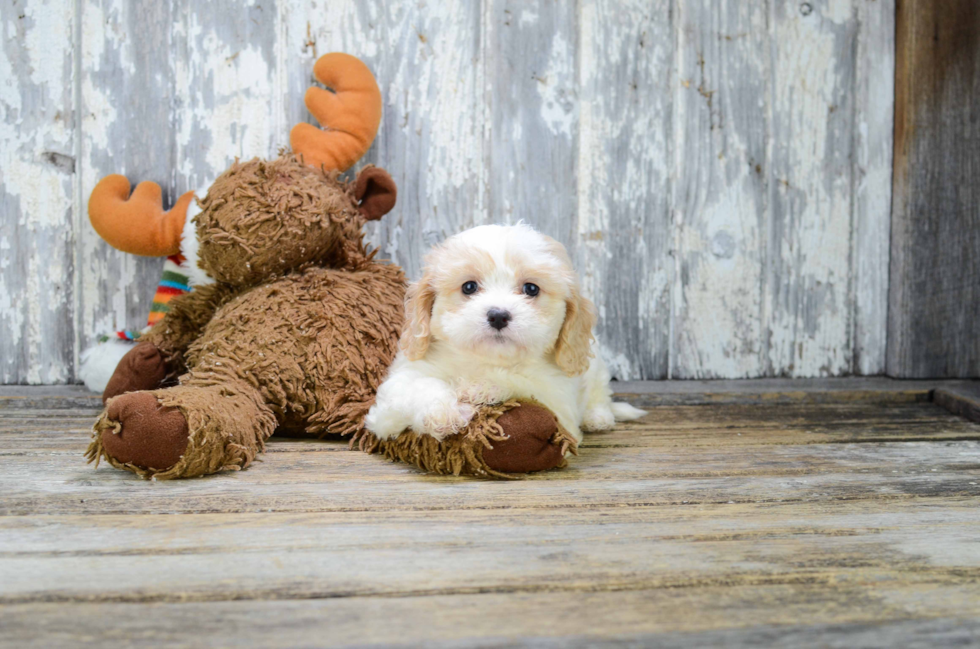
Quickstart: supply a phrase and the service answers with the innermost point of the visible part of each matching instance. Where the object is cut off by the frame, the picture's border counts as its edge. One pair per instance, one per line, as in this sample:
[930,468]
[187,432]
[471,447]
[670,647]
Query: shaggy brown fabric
[298,332]
[466,452]
[142,368]
[308,348]
[184,322]
[264,218]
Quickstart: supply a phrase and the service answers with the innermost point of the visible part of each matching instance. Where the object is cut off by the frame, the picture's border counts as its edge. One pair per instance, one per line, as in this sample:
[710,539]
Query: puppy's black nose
[498,318]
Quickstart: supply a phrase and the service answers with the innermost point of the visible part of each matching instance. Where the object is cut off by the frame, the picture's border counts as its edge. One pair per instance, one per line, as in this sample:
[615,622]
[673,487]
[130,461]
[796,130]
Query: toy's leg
[159,357]
[142,368]
[499,442]
[184,431]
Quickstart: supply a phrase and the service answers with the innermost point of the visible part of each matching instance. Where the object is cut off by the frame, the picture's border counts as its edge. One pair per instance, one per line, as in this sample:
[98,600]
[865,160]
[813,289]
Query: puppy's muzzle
[498,318]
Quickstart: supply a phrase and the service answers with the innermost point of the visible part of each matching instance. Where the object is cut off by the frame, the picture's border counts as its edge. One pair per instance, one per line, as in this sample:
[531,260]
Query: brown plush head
[264,218]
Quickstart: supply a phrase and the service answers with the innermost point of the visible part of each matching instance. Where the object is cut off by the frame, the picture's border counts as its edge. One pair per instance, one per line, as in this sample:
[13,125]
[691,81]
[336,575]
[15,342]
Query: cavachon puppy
[497,315]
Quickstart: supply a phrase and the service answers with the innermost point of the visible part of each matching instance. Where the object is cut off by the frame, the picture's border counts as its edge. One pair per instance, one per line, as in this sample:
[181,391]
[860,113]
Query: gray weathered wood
[786,616]
[231,556]
[699,454]
[226,87]
[720,200]
[934,295]
[126,95]
[426,58]
[624,152]
[825,524]
[37,173]
[23,431]
[533,115]
[830,390]
[964,400]
[808,329]
[719,170]
[873,130]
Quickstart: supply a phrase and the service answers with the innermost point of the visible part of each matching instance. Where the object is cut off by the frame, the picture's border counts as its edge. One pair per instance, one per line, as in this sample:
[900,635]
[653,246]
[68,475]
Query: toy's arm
[183,323]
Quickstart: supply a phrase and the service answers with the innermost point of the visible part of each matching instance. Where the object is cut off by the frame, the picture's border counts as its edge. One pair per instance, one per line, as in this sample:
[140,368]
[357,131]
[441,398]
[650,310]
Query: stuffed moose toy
[292,323]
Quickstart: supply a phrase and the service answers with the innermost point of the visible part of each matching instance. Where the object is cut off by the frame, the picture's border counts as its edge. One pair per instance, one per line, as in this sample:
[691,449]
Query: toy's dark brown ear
[376,192]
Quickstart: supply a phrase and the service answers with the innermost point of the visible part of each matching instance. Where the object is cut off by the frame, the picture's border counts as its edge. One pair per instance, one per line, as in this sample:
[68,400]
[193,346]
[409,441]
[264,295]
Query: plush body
[294,331]
[292,323]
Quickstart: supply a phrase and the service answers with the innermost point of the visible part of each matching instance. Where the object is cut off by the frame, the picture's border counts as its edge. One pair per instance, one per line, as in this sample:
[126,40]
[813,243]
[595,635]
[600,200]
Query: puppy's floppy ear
[574,346]
[376,192]
[418,315]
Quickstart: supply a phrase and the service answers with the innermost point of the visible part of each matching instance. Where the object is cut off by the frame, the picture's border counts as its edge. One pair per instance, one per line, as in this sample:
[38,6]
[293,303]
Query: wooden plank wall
[720,169]
[935,265]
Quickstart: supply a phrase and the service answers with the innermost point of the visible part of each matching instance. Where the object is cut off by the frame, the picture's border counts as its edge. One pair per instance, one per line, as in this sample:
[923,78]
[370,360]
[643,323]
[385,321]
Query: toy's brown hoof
[530,429]
[142,368]
[150,436]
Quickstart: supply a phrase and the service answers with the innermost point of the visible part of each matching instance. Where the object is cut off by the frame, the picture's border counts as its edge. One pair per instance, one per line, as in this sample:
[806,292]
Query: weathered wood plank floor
[831,513]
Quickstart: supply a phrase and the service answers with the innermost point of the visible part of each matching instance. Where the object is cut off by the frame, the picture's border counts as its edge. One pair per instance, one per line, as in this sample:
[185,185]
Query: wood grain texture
[963,400]
[427,59]
[623,180]
[808,265]
[873,133]
[934,294]
[719,170]
[24,432]
[213,557]
[226,90]
[37,174]
[126,93]
[785,616]
[850,523]
[720,197]
[533,115]
[676,455]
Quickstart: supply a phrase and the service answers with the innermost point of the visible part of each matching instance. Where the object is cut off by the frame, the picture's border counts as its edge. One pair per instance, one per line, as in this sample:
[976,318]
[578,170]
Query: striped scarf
[173,282]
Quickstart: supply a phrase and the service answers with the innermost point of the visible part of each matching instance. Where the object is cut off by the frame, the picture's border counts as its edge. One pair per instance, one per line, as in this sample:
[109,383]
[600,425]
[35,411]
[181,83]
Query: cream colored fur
[189,244]
[452,361]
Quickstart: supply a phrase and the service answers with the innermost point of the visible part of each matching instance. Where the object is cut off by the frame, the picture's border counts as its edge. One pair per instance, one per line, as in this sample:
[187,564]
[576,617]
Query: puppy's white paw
[442,418]
[481,393]
[384,422]
[598,418]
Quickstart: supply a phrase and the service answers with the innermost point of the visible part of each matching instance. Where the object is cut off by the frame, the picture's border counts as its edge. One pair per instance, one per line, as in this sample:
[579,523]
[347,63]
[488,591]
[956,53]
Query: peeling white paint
[36,159]
[874,113]
[528,18]
[556,87]
[623,175]
[810,327]
[227,103]
[712,200]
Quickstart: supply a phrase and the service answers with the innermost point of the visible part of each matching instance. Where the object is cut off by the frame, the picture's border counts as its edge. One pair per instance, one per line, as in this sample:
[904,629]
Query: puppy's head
[506,293]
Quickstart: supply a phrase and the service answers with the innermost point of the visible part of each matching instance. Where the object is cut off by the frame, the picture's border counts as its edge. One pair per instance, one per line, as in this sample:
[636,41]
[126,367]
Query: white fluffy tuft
[189,246]
[99,362]
[465,363]
[626,412]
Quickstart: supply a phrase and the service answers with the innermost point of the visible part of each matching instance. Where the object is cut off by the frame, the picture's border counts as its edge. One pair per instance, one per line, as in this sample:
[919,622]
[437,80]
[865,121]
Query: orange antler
[137,224]
[350,115]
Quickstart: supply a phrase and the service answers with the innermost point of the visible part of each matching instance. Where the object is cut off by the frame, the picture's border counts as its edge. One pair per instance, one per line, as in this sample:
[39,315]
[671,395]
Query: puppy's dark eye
[469,288]
[531,290]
